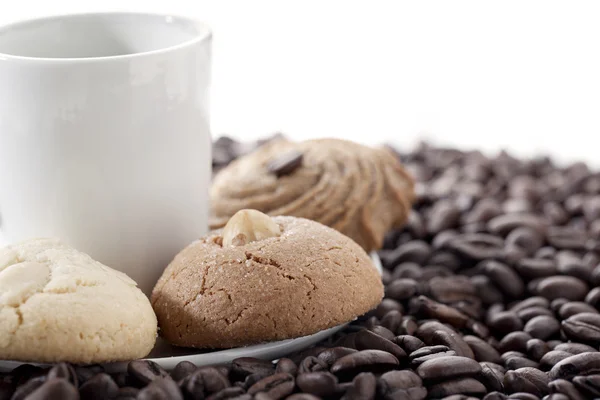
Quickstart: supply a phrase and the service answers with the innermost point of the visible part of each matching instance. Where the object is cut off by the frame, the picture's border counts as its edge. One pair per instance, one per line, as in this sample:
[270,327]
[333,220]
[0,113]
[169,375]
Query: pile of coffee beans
[492,291]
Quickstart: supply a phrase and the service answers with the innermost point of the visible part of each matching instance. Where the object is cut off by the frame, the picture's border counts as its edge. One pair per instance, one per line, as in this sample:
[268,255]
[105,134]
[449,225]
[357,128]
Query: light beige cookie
[360,191]
[261,279]
[58,304]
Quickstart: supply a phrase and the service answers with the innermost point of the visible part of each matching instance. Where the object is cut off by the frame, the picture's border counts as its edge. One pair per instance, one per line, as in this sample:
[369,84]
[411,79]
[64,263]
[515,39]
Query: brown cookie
[264,279]
[360,191]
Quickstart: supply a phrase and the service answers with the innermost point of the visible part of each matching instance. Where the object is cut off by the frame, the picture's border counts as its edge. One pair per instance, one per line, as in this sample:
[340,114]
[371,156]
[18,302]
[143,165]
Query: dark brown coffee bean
[486,290]
[514,341]
[533,301]
[452,289]
[479,329]
[99,387]
[25,389]
[366,340]
[313,364]
[495,396]
[383,332]
[516,362]
[493,378]
[483,211]
[595,278]
[127,393]
[364,387]
[551,358]
[526,239]
[276,386]
[504,322]
[64,370]
[482,350]
[145,371]
[566,287]
[87,372]
[408,343]
[428,350]
[415,362]
[505,278]
[574,348]
[56,388]
[402,289]
[536,349]
[448,367]
[408,326]
[523,396]
[285,164]
[530,380]
[365,360]
[567,388]
[416,251]
[570,264]
[393,380]
[429,272]
[477,246]
[423,305]
[467,386]
[161,388]
[407,270]
[392,321]
[529,313]
[242,367]
[542,327]
[593,297]
[556,396]
[318,383]
[575,307]
[503,224]
[584,327]
[588,384]
[446,259]
[302,396]
[386,306]
[566,238]
[205,381]
[182,369]
[227,393]
[454,341]
[444,215]
[579,364]
[536,267]
[330,356]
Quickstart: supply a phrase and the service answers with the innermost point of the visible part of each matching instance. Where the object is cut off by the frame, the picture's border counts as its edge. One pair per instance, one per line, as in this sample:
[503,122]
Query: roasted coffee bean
[227,393]
[383,332]
[182,369]
[514,341]
[505,278]
[536,349]
[574,348]
[285,164]
[429,308]
[516,362]
[448,367]
[56,388]
[575,307]
[205,381]
[454,341]
[408,326]
[21,392]
[393,380]
[536,267]
[302,396]
[364,387]
[566,238]
[452,289]
[64,370]
[428,350]
[567,388]
[144,371]
[504,322]
[409,343]
[127,393]
[495,396]
[530,380]
[579,364]
[161,388]
[318,383]
[566,287]
[364,361]
[583,327]
[551,358]
[479,329]
[99,387]
[486,290]
[534,301]
[593,297]
[477,246]
[288,366]
[278,386]
[492,377]
[415,362]
[444,215]
[416,251]
[532,312]
[446,259]
[87,372]
[402,289]
[467,386]
[570,264]
[242,367]
[523,396]
[386,306]
[526,239]
[542,327]
[392,321]
[588,384]
[482,350]
[313,364]
[407,270]
[368,340]
[503,224]
[556,396]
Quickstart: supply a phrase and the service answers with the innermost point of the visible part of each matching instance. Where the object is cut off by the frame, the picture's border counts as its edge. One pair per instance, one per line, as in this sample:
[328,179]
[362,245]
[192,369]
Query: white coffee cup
[104,135]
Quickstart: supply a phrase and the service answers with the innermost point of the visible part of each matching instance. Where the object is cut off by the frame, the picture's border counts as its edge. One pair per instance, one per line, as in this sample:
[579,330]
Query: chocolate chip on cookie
[261,279]
[360,191]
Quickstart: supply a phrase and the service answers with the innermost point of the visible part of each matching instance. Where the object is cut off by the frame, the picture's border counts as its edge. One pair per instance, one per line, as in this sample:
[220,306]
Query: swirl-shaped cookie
[361,191]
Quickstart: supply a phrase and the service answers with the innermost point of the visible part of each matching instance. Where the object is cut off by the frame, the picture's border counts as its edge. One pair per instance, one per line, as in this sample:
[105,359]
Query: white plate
[168,356]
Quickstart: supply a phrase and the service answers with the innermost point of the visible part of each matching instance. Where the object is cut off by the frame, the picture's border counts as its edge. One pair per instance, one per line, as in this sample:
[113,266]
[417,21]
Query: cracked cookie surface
[308,279]
[360,191]
[58,304]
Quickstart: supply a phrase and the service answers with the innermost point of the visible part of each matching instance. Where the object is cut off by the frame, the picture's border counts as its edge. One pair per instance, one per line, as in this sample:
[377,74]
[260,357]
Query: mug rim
[204,34]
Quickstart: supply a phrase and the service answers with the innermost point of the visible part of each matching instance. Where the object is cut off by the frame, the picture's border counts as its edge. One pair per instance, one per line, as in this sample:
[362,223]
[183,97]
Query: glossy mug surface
[104,135]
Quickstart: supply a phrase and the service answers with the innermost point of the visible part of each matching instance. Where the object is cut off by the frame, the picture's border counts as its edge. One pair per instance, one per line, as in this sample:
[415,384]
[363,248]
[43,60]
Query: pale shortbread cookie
[308,278]
[58,304]
[361,191]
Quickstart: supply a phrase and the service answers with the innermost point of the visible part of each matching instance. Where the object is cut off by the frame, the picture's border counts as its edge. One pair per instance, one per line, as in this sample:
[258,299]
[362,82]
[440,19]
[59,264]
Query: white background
[518,74]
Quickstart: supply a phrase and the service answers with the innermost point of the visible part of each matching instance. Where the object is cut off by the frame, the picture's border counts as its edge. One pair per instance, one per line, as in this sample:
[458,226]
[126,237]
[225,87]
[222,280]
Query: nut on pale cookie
[58,304]
[294,279]
[360,191]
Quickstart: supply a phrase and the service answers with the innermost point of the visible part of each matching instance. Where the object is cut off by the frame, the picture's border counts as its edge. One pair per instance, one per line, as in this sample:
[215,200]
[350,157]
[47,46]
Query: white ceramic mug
[104,135]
